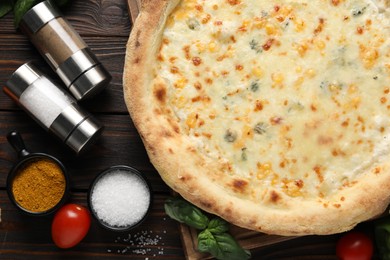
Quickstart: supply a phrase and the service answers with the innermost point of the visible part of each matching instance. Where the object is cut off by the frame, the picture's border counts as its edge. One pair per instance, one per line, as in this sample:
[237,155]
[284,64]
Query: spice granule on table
[39,185]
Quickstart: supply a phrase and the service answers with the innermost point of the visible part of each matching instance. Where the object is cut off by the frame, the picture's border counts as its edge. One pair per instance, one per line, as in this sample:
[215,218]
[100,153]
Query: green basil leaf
[218,226]
[208,244]
[221,246]
[21,7]
[382,237]
[5,7]
[184,212]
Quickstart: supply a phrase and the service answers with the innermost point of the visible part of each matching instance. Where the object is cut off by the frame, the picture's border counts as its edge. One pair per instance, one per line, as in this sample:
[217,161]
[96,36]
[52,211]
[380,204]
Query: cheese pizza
[274,115]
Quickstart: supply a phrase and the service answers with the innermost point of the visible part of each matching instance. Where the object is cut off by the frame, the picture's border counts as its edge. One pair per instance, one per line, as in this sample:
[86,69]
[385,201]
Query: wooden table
[105,26]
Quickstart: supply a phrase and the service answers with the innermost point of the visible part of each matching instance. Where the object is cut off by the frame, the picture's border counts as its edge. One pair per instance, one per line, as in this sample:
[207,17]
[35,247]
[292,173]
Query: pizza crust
[195,176]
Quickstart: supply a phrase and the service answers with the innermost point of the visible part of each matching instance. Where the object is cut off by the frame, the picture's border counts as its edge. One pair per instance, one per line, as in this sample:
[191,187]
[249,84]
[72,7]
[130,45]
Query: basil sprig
[20,7]
[213,237]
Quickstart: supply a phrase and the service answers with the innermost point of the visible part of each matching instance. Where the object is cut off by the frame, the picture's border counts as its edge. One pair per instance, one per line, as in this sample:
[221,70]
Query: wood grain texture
[102,18]
[105,26]
[29,238]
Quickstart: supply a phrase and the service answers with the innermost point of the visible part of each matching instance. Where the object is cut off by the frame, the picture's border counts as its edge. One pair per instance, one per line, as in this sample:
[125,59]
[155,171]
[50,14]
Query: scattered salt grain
[141,243]
[120,198]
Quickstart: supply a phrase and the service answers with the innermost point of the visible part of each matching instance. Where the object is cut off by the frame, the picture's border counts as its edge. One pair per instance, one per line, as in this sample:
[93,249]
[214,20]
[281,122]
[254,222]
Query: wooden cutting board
[248,239]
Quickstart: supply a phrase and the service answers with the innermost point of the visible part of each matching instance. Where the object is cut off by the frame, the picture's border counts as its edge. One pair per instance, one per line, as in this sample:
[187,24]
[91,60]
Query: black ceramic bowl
[25,158]
[93,205]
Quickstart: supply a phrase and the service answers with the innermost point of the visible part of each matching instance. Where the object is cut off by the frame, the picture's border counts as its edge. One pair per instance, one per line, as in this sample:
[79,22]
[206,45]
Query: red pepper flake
[196,61]
[360,30]
[276,8]
[268,44]
[218,23]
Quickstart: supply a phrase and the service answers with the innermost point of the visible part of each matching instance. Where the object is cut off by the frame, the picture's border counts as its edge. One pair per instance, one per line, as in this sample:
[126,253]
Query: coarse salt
[44,101]
[120,198]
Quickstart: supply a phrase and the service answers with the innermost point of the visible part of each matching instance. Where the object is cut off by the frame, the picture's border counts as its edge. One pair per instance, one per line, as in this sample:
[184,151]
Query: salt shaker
[64,50]
[52,107]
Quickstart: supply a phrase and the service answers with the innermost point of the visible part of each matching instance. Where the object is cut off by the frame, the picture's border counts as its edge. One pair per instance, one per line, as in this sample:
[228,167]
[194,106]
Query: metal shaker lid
[83,74]
[84,135]
[35,18]
[22,78]
[90,83]
[76,128]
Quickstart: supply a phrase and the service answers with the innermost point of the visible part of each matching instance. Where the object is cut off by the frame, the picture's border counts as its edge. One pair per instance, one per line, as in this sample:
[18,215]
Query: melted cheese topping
[292,95]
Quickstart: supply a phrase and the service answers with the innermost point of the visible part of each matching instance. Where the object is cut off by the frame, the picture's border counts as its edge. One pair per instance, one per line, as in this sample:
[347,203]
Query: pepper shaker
[52,107]
[64,50]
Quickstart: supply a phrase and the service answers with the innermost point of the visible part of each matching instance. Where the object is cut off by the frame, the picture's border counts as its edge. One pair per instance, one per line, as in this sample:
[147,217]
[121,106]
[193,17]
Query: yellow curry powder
[39,185]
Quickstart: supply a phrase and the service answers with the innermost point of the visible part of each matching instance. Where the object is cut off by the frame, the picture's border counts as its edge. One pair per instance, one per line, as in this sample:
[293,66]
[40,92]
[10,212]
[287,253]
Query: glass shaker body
[64,50]
[52,107]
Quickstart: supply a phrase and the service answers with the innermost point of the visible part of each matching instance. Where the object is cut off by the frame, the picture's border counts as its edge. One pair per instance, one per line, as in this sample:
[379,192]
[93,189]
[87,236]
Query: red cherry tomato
[355,245]
[70,225]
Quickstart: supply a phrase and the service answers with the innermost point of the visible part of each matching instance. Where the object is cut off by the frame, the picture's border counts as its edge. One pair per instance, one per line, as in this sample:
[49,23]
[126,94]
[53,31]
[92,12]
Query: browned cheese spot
[318,171]
[137,42]
[160,92]
[174,126]
[167,133]
[240,186]
[206,204]
[324,140]
[337,205]
[274,197]
[157,111]
[185,178]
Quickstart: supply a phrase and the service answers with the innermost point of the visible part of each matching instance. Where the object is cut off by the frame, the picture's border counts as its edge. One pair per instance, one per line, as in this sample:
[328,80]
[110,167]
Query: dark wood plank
[105,26]
[119,144]
[25,237]
[89,17]
[16,50]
